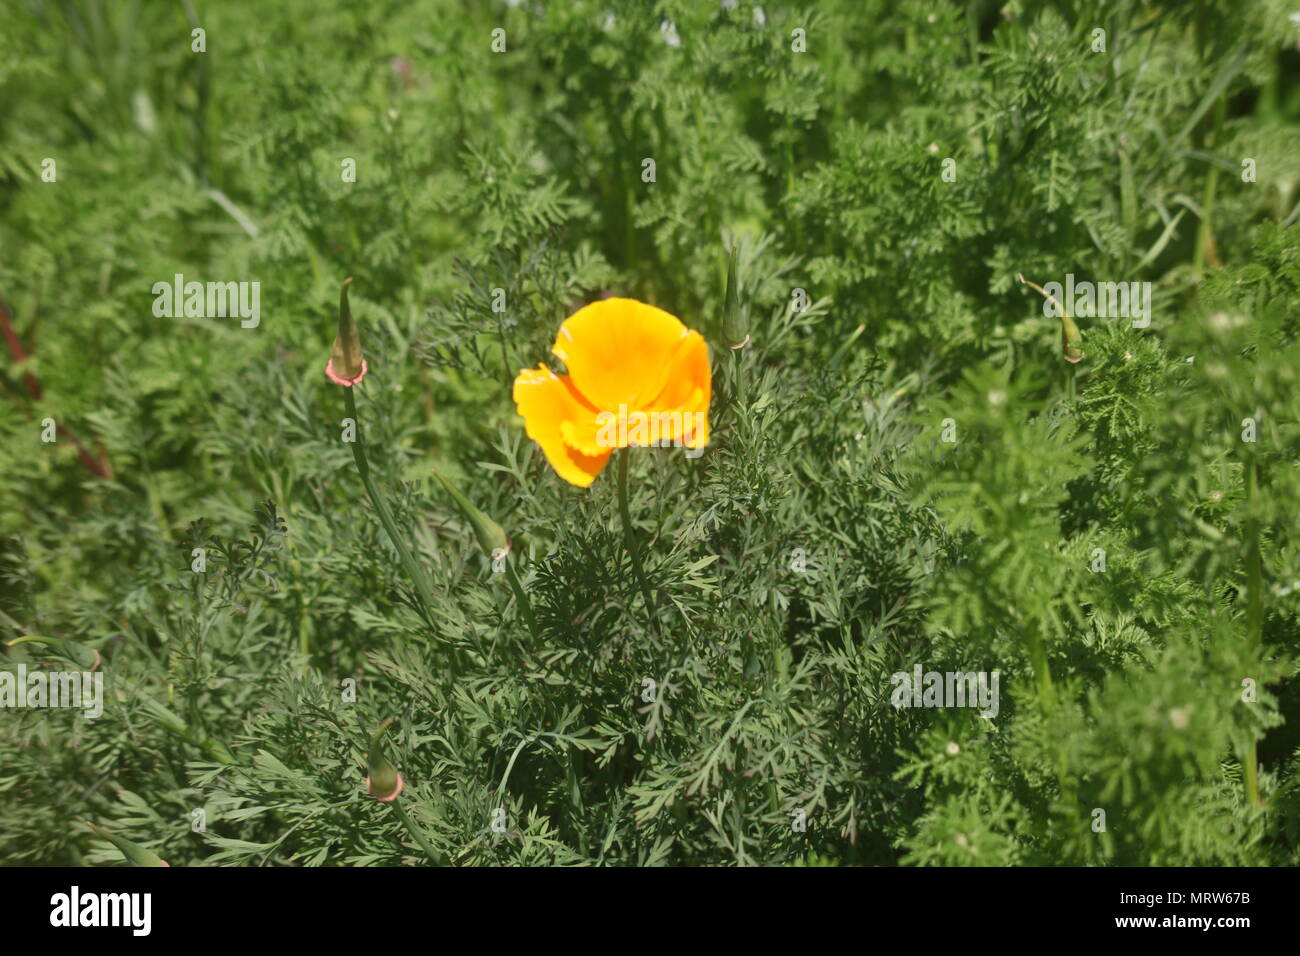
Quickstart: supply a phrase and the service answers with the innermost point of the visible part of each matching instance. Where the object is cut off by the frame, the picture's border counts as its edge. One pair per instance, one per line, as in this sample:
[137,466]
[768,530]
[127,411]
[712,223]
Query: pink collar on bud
[337,380]
[401,784]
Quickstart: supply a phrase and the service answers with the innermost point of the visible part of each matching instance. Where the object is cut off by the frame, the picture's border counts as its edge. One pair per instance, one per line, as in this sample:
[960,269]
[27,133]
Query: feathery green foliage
[903,470]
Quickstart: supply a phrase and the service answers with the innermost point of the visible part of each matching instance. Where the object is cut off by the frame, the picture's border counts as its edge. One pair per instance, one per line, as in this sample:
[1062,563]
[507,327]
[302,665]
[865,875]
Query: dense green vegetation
[903,468]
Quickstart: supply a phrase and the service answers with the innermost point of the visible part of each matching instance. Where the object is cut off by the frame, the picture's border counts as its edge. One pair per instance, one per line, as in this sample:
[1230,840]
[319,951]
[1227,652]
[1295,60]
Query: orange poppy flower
[637,377]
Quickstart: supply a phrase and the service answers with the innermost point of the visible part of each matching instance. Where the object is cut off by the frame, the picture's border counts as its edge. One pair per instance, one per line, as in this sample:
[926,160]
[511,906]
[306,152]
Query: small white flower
[669,30]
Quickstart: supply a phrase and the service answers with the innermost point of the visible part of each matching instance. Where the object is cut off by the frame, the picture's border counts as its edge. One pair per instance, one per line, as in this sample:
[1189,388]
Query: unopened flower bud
[135,854]
[81,655]
[384,782]
[1070,339]
[346,365]
[735,327]
[173,723]
[491,538]
[1070,334]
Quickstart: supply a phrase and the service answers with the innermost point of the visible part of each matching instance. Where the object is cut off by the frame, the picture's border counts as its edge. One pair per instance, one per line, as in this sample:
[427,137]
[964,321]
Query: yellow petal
[618,351]
[586,435]
[547,401]
[689,390]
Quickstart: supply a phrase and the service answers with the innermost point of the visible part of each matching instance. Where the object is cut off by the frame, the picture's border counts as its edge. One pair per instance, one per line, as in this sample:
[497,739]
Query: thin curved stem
[434,857]
[1254,613]
[629,534]
[413,570]
[521,598]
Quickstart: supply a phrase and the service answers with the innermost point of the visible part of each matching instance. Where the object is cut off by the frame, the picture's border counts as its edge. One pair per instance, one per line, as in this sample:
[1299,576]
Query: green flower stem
[434,856]
[1205,235]
[738,379]
[629,535]
[304,638]
[1047,696]
[413,570]
[1042,670]
[521,598]
[300,608]
[1250,775]
[1254,611]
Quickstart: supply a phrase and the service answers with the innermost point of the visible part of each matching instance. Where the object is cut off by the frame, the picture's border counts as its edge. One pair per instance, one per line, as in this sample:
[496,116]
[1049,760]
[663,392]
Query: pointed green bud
[735,328]
[135,854]
[170,721]
[491,538]
[384,782]
[840,352]
[84,657]
[346,365]
[1070,334]
[164,717]
[1070,339]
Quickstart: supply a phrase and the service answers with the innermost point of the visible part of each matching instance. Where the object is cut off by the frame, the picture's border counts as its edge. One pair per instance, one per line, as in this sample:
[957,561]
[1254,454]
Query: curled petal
[688,392]
[548,402]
